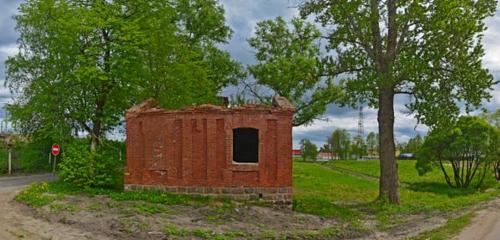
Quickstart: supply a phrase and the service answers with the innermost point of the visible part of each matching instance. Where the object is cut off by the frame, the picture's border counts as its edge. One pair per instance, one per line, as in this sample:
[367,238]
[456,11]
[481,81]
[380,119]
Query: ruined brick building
[242,152]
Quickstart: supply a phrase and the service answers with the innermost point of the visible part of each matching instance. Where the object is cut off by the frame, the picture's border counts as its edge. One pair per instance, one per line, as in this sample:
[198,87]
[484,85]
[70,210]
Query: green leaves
[429,50]
[309,150]
[289,65]
[83,63]
[470,146]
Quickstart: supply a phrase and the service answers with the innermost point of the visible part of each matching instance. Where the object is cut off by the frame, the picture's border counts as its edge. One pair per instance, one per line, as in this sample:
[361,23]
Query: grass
[318,189]
[36,195]
[148,209]
[407,172]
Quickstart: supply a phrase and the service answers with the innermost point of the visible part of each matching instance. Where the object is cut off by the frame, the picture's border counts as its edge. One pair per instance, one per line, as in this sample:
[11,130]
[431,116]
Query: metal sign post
[55,152]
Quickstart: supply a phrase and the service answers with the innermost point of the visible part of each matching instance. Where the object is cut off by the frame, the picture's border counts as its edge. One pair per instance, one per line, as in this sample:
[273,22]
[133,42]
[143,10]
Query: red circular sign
[55,149]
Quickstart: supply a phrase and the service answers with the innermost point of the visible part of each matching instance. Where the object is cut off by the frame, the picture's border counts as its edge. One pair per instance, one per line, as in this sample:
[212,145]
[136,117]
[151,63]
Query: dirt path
[16,225]
[485,225]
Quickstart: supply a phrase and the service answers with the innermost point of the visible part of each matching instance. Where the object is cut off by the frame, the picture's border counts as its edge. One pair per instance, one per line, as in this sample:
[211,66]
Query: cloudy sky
[242,16]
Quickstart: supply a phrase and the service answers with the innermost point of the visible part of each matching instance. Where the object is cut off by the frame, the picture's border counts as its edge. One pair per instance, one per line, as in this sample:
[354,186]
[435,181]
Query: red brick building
[242,152]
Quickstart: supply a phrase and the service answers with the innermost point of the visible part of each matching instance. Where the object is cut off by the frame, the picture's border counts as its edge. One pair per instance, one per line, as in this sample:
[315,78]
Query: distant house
[296,153]
[325,156]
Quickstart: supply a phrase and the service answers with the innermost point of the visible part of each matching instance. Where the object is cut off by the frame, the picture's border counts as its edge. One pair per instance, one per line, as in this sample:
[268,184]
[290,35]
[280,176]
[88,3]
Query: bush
[33,155]
[3,160]
[470,146]
[91,169]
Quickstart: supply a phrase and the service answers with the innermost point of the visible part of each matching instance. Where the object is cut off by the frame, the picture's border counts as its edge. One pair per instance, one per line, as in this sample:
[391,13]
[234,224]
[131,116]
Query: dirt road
[485,225]
[16,225]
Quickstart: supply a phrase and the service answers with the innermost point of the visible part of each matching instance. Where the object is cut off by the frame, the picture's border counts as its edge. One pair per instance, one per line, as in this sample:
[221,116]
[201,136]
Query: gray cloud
[8,37]
[8,34]
[242,17]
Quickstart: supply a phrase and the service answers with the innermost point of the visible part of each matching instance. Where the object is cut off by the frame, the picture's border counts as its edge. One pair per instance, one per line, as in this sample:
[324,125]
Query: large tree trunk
[94,136]
[94,142]
[389,182]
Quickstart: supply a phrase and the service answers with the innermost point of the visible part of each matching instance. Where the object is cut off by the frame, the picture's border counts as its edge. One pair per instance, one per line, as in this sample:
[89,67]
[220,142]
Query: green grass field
[322,190]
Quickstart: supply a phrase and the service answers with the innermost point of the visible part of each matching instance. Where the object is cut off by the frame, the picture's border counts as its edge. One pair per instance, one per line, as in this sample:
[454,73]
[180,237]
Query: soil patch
[144,220]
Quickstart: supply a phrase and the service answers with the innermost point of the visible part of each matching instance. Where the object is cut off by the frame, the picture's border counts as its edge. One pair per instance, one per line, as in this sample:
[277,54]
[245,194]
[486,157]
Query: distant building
[322,156]
[296,153]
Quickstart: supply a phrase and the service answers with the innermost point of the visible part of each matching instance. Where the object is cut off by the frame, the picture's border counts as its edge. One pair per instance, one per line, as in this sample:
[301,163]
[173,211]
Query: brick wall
[190,150]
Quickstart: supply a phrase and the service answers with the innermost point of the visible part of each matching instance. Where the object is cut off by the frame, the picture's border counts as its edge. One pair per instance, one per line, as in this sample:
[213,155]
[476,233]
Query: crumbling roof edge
[150,106]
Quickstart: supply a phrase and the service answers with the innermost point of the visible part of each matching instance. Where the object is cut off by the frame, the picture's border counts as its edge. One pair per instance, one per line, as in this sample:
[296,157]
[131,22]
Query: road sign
[55,149]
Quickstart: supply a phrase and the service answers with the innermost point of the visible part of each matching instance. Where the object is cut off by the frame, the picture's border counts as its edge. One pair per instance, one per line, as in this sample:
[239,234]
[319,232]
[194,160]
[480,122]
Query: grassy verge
[319,190]
[42,194]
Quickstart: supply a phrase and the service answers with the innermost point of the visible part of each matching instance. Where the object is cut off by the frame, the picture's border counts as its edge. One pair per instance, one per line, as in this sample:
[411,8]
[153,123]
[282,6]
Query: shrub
[33,155]
[3,160]
[470,146]
[90,169]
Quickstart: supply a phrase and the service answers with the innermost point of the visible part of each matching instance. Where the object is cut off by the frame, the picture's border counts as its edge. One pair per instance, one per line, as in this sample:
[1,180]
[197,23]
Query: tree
[81,64]
[372,144]
[359,147]
[341,143]
[414,144]
[494,119]
[288,64]
[327,147]
[469,146]
[428,50]
[308,150]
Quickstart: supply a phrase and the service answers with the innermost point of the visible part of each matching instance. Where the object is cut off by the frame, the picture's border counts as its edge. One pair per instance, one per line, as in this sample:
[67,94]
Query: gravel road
[485,225]
[16,224]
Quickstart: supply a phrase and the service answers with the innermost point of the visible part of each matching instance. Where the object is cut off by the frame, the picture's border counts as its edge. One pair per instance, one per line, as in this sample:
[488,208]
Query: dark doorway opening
[246,145]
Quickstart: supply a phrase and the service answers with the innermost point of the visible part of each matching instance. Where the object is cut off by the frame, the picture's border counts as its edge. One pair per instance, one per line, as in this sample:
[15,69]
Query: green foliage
[359,147]
[35,195]
[398,46]
[494,119]
[81,64]
[470,146]
[372,143]
[27,156]
[413,145]
[340,142]
[430,51]
[4,155]
[309,150]
[84,168]
[33,155]
[289,65]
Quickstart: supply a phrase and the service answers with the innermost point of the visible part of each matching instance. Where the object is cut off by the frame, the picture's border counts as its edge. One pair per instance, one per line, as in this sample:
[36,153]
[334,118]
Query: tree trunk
[94,141]
[94,136]
[389,182]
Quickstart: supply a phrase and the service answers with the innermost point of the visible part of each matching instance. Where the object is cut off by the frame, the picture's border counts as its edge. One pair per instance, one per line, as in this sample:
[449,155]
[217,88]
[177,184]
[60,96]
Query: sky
[242,16]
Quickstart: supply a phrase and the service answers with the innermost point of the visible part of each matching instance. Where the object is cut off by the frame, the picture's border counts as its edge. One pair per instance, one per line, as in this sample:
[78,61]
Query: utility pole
[8,144]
